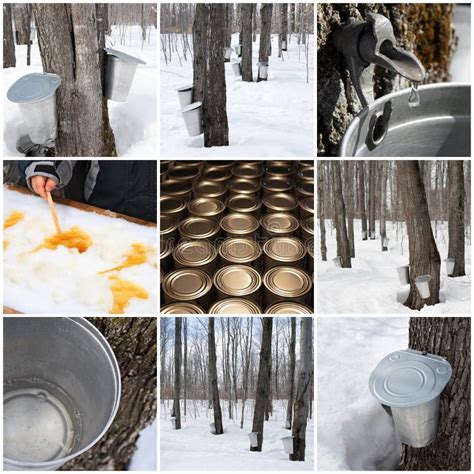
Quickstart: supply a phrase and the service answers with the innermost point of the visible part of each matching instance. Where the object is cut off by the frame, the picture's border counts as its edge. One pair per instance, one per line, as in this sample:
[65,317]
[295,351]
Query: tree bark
[456,216]
[424,256]
[22,18]
[303,391]
[343,247]
[69,47]
[424,29]
[247,75]
[372,165]
[9,59]
[291,374]
[363,214]
[178,323]
[213,378]
[349,201]
[284,26]
[321,213]
[134,342]
[228,26]
[292,21]
[451,451]
[185,363]
[383,204]
[209,71]
[262,397]
[246,356]
[265,50]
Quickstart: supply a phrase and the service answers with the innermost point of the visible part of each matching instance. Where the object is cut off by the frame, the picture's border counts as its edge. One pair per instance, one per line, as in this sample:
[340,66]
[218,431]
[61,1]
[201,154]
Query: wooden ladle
[53,213]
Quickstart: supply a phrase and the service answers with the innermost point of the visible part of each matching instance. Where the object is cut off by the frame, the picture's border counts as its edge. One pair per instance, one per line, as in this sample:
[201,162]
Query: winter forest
[395,236]
[237,392]
[237,79]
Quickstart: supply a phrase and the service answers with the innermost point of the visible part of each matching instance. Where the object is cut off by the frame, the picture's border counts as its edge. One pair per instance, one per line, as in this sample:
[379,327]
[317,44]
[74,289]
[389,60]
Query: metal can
[240,251]
[288,307]
[305,189]
[207,207]
[197,228]
[277,170]
[248,171]
[283,251]
[286,284]
[240,225]
[181,308]
[168,228]
[306,207]
[305,164]
[189,285]
[280,202]
[223,164]
[249,187]
[173,206]
[186,174]
[279,224]
[245,204]
[310,263]
[166,249]
[210,189]
[196,253]
[306,173]
[193,164]
[174,187]
[216,173]
[238,281]
[276,184]
[235,306]
[307,228]
[163,170]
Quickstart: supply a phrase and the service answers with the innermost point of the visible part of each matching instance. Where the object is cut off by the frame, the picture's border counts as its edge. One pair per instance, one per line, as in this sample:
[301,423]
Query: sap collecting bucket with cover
[408,384]
[121,69]
[192,115]
[35,95]
[185,95]
[61,391]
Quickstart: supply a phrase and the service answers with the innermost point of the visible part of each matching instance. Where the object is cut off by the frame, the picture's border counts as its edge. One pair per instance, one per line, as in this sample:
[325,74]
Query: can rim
[291,219]
[272,283]
[310,247]
[202,290]
[306,173]
[193,172]
[209,253]
[258,171]
[181,204]
[177,187]
[288,307]
[194,204]
[270,250]
[190,308]
[271,173]
[306,187]
[253,285]
[225,173]
[292,202]
[256,186]
[172,224]
[167,246]
[250,257]
[211,194]
[183,227]
[242,306]
[307,224]
[256,203]
[224,223]
[307,204]
[267,185]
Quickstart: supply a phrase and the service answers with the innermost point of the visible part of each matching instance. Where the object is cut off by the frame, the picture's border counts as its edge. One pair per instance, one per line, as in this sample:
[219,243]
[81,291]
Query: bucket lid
[123,56]
[33,87]
[409,378]
[185,88]
[192,106]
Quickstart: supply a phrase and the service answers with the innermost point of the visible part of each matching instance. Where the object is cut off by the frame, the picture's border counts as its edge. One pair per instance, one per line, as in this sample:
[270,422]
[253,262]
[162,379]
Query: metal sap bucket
[238,50]
[404,274]
[439,126]
[121,69]
[253,437]
[185,95]
[61,390]
[263,70]
[192,115]
[283,45]
[337,261]
[450,263]
[422,283]
[288,444]
[408,384]
[227,53]
[237,68]
[35,94]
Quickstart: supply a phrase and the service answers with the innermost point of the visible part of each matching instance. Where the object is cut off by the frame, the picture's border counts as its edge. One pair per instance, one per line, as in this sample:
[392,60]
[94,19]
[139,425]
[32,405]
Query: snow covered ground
[194,448]
[354,432]
[269,118]
[145,457]
[134,122]
[64,281]
[372,286]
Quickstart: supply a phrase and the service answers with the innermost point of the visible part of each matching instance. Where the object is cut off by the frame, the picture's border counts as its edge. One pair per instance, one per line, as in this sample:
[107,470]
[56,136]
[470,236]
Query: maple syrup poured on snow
[123,291]
[13,218]
[74,238]
[136,256]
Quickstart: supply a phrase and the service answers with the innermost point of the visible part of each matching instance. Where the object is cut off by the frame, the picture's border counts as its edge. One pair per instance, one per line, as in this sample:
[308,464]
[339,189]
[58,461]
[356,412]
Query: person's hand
[41,185]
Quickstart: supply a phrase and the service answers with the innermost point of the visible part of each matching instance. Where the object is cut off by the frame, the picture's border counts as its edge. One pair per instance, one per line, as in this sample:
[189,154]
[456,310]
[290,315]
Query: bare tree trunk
[424,256]
[321,213]
[451,451]
[136,356]
[348,199]
[456,215]
[209,71]
[292,18]
[228,26]
[22,18]
[263,382]
[372,177]
[284,26]
[247,75]
[363,214]
[9,59]
[185,363]
[178,322]
[383,204]
[247,353]
[291,374]
[265,49]
[254,22]
[213,378]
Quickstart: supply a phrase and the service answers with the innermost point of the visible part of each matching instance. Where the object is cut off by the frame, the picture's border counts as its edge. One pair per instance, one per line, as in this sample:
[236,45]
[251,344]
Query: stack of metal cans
[237,237]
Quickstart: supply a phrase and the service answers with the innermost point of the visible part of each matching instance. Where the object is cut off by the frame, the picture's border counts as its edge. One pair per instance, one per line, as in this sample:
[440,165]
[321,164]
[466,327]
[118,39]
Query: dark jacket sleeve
[59,170]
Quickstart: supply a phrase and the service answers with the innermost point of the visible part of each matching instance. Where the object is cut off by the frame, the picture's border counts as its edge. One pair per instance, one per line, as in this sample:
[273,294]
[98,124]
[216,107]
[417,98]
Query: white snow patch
[145,457]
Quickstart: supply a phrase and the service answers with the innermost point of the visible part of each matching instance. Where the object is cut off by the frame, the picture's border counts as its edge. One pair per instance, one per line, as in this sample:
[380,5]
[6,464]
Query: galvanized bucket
[288,444]
[236,67]
[192,115]
[263,69]
[121,69]
[35,94]
[185,95]
[238,49]
[253,437]
[422,283]
[283,45]
[450,263]
[61,390]
[439,126]
[337,261]
[404,274]
[409,384]
[227,53]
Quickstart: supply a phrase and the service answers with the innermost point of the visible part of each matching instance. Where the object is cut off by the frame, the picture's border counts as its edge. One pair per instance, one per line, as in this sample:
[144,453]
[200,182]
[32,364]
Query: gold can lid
[166,248]
[306,188]
[307,204]
[239,224]
[277,184]
[171,204]
[282,202]
[244,186]
[310,247]
[240,251]
[168,224]
[194,253]
[187,284]
[306,173]
[216,173]
[279,223]
[305,163]
[307,224]
[183,173]
[235,306]
[287,307]
[288,282]
[237,280]
[248,171]
[212,189]
[174,187]
[206,207]
[227,164]
[198,228]
[243,203]
[190,163]
[181,308]
[284,249]
[278,169]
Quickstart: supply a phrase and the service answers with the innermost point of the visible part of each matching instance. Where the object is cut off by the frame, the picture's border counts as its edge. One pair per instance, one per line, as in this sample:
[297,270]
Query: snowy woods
[394,235]
[247,379]
[224,67]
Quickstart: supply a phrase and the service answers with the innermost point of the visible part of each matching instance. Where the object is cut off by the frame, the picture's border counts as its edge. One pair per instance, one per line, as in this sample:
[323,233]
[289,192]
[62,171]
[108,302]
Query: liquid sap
[136,256]
[72,238]
[414,97]
[123,291]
